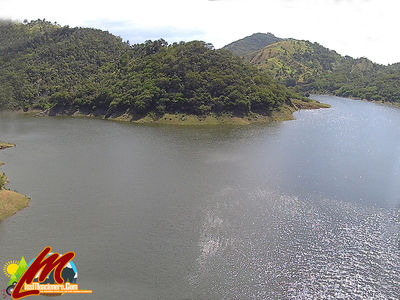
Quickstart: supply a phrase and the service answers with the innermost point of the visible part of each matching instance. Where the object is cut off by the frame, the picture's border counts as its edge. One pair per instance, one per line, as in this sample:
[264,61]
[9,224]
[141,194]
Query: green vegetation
[40,59]
[189,78]
[298,104]
[309,67]
[3,180]
[251,43]
[294,62]
[360,78]
[66,70]
[4,145]
[10,202]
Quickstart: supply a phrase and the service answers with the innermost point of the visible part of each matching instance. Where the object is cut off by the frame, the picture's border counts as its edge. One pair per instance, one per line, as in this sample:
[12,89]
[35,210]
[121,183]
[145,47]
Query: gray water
[304,209]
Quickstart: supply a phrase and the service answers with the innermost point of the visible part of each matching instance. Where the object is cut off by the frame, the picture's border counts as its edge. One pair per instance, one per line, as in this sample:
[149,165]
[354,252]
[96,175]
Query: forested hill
[311,67]
[62,69]
[251,43]
[39,59]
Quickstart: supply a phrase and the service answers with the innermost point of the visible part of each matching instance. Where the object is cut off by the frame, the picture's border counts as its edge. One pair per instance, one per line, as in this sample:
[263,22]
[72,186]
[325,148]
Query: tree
[22,266]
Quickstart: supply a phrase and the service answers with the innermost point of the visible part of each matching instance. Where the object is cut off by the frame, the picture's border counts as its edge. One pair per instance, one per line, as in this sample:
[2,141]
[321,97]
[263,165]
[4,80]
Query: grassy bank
[4,145]
[283,114]
[312,104]
[10,201]
[212,119]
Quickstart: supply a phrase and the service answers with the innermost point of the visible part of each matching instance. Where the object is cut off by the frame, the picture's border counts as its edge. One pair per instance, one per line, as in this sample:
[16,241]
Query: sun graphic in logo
[10,267]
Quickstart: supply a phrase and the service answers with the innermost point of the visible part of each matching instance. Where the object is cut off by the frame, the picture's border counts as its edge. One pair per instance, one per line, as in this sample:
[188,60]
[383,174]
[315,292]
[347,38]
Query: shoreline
[284,114]
[10,201]
[388,103]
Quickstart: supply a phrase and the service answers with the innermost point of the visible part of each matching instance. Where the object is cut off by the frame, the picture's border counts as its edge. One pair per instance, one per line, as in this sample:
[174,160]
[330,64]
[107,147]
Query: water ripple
[271,246]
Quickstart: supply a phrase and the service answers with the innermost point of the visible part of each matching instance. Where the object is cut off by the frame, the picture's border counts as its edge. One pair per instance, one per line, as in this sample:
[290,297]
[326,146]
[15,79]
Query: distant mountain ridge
[251,43]
[310,67]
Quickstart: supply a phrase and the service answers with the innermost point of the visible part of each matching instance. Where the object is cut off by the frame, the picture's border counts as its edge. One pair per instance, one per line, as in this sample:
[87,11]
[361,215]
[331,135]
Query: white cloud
[353,27]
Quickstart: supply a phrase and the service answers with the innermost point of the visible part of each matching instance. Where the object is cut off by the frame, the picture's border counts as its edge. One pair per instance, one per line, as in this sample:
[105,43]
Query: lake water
[304,209]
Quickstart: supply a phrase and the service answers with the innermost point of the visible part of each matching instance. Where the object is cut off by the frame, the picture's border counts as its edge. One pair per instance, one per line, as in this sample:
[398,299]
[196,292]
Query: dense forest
[360,78]
[310,67]
[39,59]
[61,69]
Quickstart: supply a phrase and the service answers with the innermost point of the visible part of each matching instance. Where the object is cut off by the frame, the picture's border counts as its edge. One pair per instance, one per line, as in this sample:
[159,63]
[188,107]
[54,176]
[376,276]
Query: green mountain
[251,43]
[66,70]
[39,59]
[22,267]
[311,67]
[295,62]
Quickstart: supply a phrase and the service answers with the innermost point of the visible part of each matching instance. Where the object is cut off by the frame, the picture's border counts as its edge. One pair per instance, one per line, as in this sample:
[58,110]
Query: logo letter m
[43,265]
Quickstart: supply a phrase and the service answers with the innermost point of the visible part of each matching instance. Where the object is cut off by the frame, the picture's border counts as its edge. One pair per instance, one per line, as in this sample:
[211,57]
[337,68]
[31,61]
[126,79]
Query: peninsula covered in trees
[63,70]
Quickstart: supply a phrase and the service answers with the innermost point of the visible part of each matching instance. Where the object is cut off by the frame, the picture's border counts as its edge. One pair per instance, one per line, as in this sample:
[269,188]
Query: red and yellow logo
[44,265]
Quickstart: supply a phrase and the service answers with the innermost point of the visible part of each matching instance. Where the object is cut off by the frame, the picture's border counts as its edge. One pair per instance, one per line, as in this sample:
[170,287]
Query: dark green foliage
[41,61]
[360,78]
[252,43]
[187,78]
[68,69]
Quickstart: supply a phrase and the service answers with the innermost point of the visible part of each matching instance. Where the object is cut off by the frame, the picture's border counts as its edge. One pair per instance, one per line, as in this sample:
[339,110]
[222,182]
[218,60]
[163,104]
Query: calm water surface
[304,209]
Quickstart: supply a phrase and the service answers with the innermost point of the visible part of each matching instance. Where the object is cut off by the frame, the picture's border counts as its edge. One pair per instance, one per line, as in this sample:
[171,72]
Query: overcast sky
[357,28]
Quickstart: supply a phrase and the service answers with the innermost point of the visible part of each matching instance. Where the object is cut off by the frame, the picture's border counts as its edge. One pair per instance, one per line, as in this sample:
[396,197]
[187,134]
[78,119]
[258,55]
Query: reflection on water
[284,247]
[305,209]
